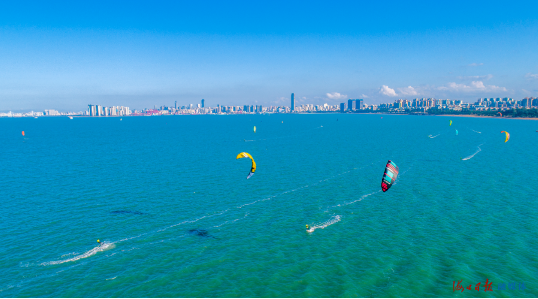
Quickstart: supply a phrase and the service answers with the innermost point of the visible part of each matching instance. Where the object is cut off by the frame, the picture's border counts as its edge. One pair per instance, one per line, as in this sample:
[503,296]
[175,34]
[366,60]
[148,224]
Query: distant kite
[22,133]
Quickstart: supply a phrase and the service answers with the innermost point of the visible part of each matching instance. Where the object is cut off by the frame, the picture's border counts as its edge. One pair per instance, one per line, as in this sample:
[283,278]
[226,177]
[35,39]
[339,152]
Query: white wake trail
[323,225]
[104,246]
[469,157]
[354,201]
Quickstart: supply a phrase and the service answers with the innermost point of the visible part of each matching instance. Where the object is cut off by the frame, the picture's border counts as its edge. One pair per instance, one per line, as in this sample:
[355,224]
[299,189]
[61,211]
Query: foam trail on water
[305,186]
[354,201]
[94,251]
[232,221]
[193,221]
[434,136]
[322,225]
[469,157]
[476,132]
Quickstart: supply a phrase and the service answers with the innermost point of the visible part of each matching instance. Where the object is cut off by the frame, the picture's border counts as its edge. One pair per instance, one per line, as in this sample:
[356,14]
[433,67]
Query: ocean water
[178,218]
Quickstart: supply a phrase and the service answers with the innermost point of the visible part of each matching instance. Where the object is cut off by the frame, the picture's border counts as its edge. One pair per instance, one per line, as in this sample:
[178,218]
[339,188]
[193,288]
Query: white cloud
[476,64]
[336,96]
[485,77]
[364,96]
[408,91]
[475,86]
[532,76]
[385,90]
[281,100]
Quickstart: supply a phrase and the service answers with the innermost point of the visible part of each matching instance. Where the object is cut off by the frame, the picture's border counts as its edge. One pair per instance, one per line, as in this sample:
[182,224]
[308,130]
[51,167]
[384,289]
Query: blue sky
[66,55]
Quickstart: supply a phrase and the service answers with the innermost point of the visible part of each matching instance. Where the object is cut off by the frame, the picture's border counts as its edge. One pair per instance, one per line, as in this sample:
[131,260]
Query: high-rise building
[203,103]
[292,102]
[342,107]
[350,104]
[91,110]
[175,105]
[358,104]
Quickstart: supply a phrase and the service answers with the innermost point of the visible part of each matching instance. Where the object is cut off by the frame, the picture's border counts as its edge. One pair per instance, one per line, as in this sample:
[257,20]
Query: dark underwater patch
[200,233]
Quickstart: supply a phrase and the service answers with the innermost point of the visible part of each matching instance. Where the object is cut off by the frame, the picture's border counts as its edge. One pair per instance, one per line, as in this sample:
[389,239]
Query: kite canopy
[22,133]
[253,167]
[507,135]
[500,114]
[450,123]
[390,175]
[254,129]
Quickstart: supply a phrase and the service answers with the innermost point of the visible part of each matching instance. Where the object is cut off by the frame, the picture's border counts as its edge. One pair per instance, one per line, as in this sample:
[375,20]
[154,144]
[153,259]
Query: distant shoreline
[484,116]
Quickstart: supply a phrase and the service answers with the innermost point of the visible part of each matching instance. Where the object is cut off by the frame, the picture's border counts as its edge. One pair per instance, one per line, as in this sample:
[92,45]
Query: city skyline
[57,56]
[352,105]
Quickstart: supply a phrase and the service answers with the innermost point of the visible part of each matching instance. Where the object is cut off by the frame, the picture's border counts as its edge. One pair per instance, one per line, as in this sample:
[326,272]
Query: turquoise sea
[178,218]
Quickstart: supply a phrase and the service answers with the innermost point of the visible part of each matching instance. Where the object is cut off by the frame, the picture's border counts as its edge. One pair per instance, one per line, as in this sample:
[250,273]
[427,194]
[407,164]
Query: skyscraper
[350,104]
[358,104]
[203,101]
[342,107]
[91,110]
[292,102]
[175,105]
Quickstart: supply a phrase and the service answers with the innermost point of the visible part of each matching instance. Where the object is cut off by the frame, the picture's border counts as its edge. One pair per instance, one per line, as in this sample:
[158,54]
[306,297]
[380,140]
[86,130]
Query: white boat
[70,117]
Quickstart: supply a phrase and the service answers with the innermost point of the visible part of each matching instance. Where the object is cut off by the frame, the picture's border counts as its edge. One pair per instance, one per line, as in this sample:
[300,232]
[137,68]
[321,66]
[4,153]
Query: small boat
[70,117]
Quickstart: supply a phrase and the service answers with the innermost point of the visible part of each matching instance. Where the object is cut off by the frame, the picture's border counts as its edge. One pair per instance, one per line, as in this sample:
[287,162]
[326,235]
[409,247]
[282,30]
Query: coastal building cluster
[98,110]
[49,112]
[482,104]
[352,105]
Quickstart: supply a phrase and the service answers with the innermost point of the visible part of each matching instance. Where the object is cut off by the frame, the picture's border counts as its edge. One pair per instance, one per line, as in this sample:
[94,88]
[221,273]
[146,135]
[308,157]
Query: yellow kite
[253,167]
